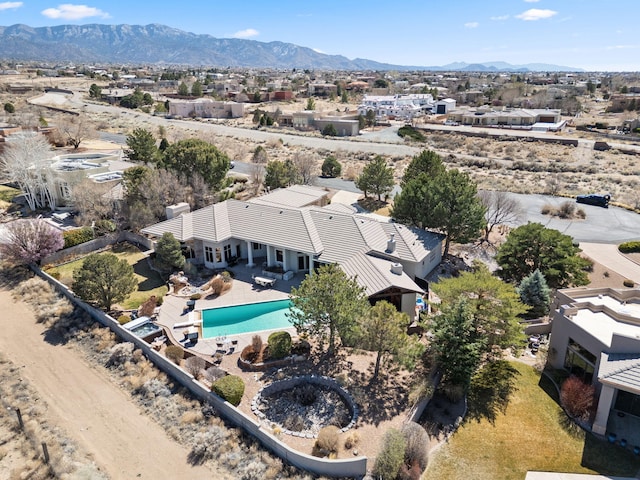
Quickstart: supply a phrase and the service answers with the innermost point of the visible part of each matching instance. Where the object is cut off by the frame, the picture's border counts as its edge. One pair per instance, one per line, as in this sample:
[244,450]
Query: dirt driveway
[106,425]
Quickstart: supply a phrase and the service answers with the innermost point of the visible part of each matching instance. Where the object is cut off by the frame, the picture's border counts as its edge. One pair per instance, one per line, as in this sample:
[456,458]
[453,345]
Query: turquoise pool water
[251,317]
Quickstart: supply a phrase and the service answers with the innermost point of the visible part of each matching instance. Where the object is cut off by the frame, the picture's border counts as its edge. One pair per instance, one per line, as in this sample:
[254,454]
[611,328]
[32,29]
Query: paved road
[609,255]
[602,225]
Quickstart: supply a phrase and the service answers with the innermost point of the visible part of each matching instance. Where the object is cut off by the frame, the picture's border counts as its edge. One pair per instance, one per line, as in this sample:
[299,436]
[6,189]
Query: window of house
[628,403]
[279,256]
[208,254]
[579,361]
[65,191]
[256,246]
[218,255]
[227,253]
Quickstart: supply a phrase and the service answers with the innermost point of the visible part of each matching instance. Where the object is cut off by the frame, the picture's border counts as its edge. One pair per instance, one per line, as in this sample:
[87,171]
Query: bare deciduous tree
[500,208]
[26,162]
[94,201]
[76,129]
[306,165]
[257,177]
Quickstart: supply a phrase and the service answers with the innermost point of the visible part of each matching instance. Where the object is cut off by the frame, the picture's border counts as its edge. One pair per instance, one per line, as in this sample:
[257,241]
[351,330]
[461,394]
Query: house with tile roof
[388,259]
[596,335]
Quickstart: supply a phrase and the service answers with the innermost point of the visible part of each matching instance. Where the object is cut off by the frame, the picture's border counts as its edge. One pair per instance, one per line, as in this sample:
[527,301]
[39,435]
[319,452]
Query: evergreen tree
[311,104]
[196,89]
[105,279]
[376,177]
[169,253]
[535,292]
[183,90]
[331,167]
[141,146]
[327,303]
[533,247]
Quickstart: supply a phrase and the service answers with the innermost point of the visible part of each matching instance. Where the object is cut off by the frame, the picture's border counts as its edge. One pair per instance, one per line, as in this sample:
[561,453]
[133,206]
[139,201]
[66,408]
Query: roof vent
[391,244]
[396,268]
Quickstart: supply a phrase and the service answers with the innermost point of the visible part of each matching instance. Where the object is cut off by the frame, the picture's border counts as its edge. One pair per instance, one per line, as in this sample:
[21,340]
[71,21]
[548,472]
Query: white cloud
[247,33]
[536,14]
[68,11]
[10,5]
[471,25]
[499,18]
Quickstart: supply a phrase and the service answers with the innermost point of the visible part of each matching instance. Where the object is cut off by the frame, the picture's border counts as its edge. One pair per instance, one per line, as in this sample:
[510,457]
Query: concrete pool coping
[174,312]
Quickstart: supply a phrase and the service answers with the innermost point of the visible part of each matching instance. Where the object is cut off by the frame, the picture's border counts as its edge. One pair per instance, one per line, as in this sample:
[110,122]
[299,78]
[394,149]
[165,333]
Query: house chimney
[391,244]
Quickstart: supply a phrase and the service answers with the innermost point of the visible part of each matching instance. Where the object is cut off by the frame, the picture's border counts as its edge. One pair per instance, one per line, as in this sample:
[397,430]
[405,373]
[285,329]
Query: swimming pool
[247,318]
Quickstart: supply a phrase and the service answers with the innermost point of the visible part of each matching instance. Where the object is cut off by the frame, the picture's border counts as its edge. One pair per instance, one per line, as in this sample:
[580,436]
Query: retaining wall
[351,467]
[97,244]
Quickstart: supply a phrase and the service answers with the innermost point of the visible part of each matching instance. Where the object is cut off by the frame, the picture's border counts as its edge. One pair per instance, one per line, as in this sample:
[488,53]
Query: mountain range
[160,44]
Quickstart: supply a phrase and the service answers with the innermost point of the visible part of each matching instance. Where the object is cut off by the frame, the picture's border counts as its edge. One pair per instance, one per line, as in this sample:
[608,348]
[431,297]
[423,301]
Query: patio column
[250,263]
[310,264]
[285,258]
[269,255]
[604,407]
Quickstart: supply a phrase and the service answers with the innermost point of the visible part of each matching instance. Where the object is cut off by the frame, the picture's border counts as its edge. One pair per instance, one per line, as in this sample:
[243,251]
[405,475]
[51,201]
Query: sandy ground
[107,427]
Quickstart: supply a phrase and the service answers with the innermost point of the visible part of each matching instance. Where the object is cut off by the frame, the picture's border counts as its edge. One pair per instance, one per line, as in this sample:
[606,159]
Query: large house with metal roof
[388,259]
[596,336]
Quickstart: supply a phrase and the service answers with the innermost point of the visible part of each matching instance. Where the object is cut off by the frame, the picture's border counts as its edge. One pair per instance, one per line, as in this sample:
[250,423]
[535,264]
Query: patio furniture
[264,281]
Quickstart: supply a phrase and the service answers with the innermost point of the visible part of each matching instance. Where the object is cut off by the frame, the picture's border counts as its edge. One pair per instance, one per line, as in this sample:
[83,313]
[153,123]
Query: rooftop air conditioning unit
[396,268]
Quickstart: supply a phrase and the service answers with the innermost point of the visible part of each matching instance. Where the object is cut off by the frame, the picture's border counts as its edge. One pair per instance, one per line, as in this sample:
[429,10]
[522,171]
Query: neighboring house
[69,170]
[402,107]
[346,126]
[206,108]
[444,106]
[529,119]
[386,258]
[596,336]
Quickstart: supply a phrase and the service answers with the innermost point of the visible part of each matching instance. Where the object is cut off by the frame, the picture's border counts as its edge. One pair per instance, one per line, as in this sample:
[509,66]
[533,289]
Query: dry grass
[530,435]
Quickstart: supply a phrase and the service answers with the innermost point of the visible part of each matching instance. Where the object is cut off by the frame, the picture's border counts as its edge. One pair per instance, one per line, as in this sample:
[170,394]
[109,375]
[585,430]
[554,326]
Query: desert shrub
[580,213]
[195,296]
[578,398]
[194,365]
[628,283]
[124,318]
[410,132]
[249,354]
[328,441]
[174,353]
[256,343]
[391,456]
[55,274]
[214,373]
[294,422]
[566,210]
[216,284]
[159,301]
[227,276]
[119,354]
[148,307]
[279,344]
[77,236]
[547,209]
[629,247]
[231,388]
[417,446]
[352,440]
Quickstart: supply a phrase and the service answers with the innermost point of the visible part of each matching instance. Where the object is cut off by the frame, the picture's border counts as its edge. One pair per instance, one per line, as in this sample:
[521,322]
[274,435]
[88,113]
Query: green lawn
[6,196]
[149,282]
[529,436]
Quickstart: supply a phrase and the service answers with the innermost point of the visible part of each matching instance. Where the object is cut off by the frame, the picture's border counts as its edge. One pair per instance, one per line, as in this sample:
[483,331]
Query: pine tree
[535,292]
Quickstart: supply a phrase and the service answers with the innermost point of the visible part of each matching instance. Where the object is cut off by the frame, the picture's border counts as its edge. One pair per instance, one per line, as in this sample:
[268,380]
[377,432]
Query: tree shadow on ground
[491,390]
[151,279]
[608,459]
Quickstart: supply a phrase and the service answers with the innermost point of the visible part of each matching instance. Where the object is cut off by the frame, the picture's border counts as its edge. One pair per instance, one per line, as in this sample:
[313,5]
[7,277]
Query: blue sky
[589,34]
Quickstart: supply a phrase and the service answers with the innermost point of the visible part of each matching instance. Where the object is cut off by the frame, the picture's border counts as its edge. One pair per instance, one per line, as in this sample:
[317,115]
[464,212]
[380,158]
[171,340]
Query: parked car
[594,199]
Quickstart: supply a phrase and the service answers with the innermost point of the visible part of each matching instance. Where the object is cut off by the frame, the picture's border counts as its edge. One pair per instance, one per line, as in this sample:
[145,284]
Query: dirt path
[93,411]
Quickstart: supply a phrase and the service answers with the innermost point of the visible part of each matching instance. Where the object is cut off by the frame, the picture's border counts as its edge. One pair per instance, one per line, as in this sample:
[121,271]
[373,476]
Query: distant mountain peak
[160,44]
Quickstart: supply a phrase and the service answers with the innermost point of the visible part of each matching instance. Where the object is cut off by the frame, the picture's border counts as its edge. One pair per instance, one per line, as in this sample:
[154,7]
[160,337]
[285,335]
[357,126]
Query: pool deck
[174,309]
